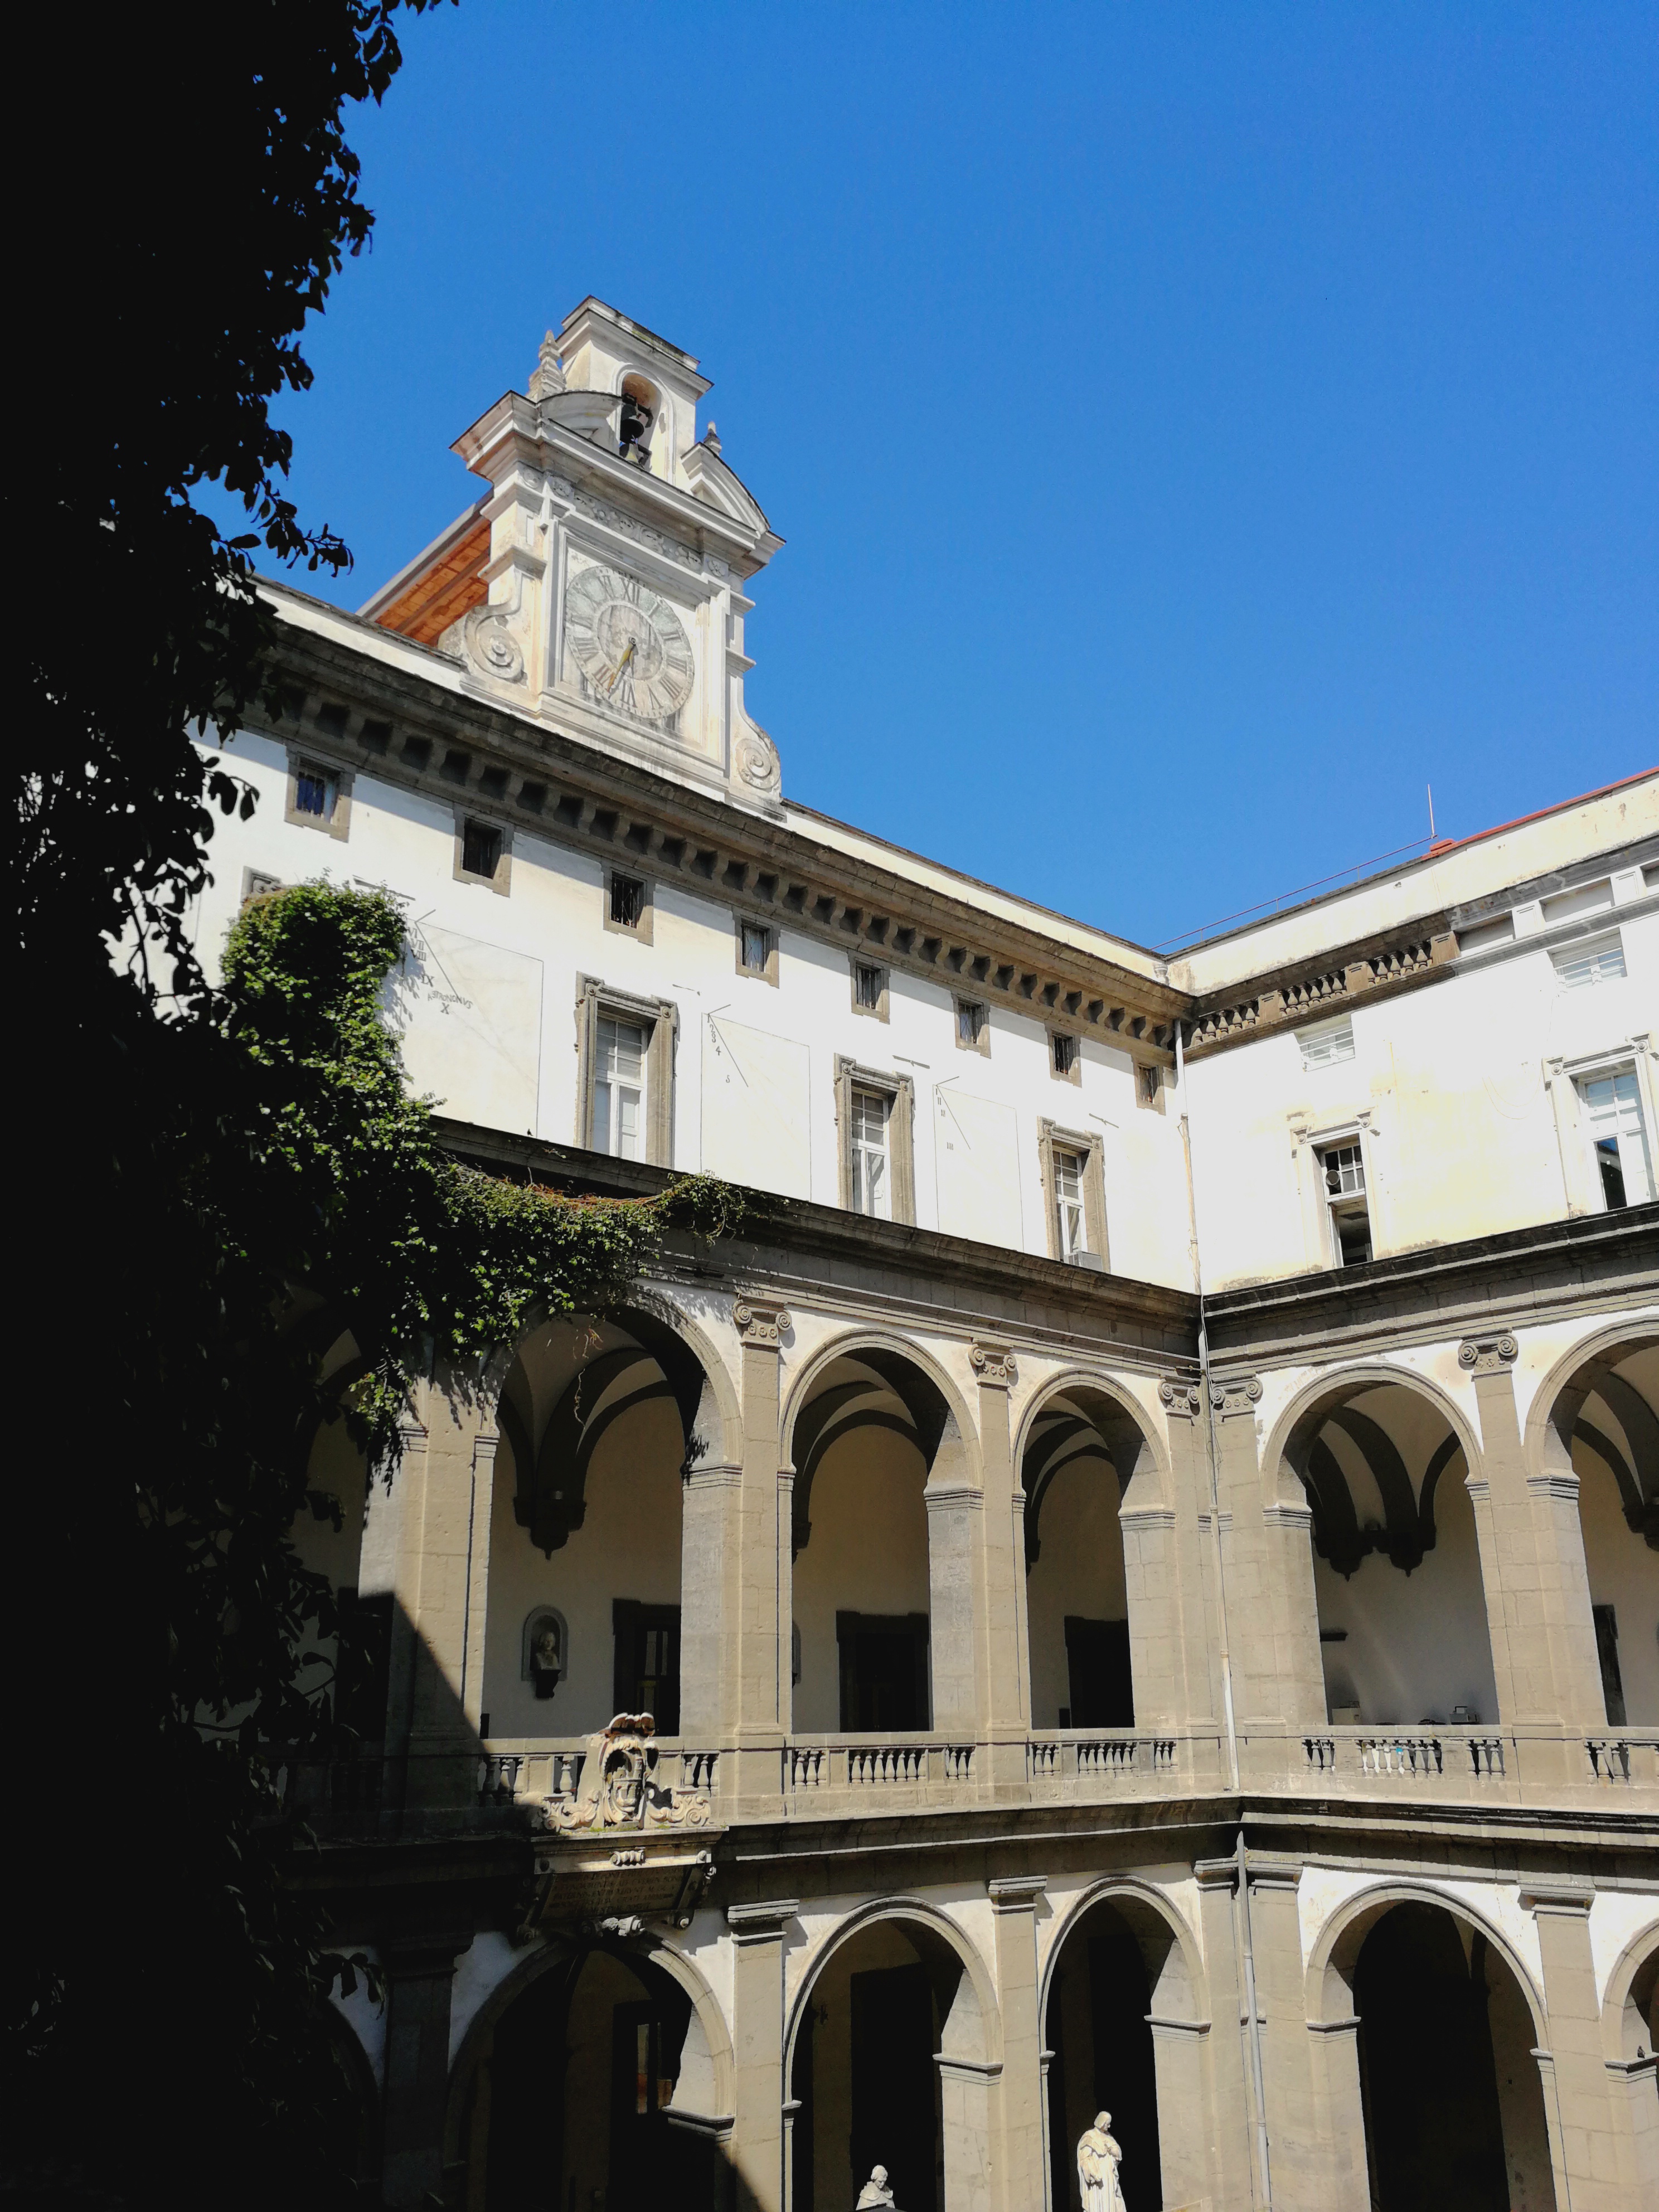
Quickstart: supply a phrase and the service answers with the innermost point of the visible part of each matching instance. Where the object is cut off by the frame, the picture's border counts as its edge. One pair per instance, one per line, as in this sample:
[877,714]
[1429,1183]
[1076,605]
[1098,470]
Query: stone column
[1273,1616]
[1168,1549]
[999,1674]
[710,1560]
[1185,2130]
[958,1661]
[1296,2155]
[1532,1564]
[1593,2148]
[1013,1904]
[760,2091]
[1233,2181]
[756,1710]
[1338,2112]
[420,1972]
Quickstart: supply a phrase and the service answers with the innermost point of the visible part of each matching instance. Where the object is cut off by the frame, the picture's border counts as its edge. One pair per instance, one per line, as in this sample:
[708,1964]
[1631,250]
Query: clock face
[628,644]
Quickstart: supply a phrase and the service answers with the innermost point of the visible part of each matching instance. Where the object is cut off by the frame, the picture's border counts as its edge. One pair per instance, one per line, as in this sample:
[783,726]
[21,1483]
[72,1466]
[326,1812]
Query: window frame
[1610,1072]
[597,1001]
[642,930]
[501,881]
[900,1094]
[1635,1054]
[336,823]
[1332,1027]
[1342,1203]
[742,920]
[1068,1044]
[1053,1138]
[1591,947]
[883,974]
[961,1004]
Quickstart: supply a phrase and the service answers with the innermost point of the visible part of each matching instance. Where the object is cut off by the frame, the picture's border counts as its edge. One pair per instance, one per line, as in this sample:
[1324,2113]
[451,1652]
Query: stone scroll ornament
[1098,2158]
[618,1788]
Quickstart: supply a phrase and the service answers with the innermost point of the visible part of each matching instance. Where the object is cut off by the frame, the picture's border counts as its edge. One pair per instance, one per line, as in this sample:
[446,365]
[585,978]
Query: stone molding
[1016,1892]
[1288,997]
[1180,1398]
[993,1365]
[1570,1899]
[762,1924]
[1487,1355]
[1235,1394]
[760,1321]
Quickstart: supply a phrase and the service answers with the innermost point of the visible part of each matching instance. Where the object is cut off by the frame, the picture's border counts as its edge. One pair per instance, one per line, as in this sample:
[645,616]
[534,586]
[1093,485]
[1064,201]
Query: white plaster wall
[868,1554]
[629,1546]
[1463,1136]
[1080,1570]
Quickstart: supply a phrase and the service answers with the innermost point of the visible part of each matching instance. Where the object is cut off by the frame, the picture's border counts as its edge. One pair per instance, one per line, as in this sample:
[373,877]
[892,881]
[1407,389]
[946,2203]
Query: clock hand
[621,665]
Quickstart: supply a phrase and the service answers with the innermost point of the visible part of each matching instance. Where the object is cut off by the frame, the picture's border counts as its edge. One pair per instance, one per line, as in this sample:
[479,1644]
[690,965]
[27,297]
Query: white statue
[876,2196]
[1097,2159]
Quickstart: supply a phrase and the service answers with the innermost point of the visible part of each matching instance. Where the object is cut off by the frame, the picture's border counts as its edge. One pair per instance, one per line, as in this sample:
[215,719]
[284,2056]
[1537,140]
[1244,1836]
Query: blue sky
[1194,428]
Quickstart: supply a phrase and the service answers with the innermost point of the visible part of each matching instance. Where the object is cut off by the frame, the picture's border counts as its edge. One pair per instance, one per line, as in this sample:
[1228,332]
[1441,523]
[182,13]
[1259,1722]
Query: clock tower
[600,584]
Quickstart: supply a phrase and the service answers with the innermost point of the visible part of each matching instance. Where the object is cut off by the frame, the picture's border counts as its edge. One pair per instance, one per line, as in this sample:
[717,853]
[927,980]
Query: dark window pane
[627,901]
[310,792]
[1613,1174]
[481,848]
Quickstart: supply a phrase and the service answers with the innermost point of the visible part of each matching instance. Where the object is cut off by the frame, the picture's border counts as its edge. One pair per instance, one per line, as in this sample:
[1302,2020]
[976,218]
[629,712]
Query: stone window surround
[336,823]
[659,1018]
[1307,1142]
[501,881]
[639,930]
[742,917]
[981,1043]
[1562,1077]
[901,1091]
[1051,1138]
[879,1011]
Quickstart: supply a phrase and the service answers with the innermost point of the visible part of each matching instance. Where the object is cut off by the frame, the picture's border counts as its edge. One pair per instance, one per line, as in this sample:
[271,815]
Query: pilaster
[759,1715]
[1299,2177]
[1594,2153]
[999,1673]
[1233,2181]
[758,2136]
[444,1593]
[1013,1906]
[420,1973]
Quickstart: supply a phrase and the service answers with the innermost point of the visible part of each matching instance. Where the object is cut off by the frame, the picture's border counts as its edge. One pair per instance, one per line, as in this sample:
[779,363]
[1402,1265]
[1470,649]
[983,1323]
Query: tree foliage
[218,1183]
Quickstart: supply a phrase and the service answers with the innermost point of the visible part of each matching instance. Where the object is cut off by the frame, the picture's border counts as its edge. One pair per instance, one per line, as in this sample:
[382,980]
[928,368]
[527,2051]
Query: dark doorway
[1434,2132]
[1097,1662]
[893,2083]
[648,1661]
[883,1670]
[1102,2058]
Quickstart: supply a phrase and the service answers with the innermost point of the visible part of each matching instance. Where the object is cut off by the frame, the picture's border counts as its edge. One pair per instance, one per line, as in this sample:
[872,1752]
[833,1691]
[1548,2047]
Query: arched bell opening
[889,2066]
[1080,1456]
[599,1423]
[1449,2086]
[1605,1420]
[866,1441]
[572,2096]
[1397,1578]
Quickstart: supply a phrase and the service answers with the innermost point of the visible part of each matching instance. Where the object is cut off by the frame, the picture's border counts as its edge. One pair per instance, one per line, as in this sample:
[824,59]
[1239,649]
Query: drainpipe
[1241,1903]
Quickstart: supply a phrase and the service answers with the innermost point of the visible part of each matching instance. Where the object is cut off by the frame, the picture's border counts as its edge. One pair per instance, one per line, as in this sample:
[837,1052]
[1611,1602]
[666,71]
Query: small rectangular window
[1588,898]
[1611,1106]
[756,943]
[313,790]
[1342,1169]
[1064,1051]
[627,901]
[1149,1088]
[1480,935]
[970,1024]
[619,1089]
[481,849]
[1068,1204]
[1327,1044]
[872,1192]
[1578,967]
[867,986]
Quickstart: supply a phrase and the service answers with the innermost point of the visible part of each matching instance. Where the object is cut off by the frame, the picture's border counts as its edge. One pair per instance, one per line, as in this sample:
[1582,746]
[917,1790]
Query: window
[973,1026]
[619,1089]
[875,1124]
[873,1185]
[1149,1088]
[313,790]
[866,987]
[646,1678]
[758,950]
[1579,966]
[481,849]
[1068,1203]
[1074,1196]
[319,797]
[1343,1169]
[1062,1051]
[883,1670]
[1588,898]
[627,901]
[1327,1044]
[1611,1106]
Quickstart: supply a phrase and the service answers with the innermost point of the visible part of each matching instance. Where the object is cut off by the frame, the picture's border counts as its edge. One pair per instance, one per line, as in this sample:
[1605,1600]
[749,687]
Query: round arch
[710,2070]
[1328,1982]
[1635,1971]
[848,1346]
[1350,1381]
[1636,1333]
[979,2022]
[1155,1458]
[1189,1981]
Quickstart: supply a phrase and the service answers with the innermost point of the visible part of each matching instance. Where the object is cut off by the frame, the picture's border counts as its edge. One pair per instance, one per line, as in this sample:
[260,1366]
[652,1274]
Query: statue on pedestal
[876,2196]
[1097,2159]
